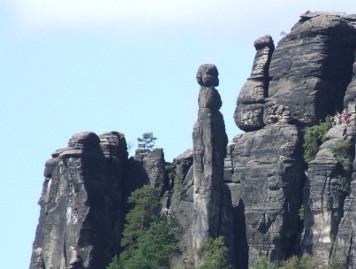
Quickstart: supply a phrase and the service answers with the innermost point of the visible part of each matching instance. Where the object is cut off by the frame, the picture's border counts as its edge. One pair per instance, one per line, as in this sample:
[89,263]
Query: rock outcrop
[312,66]
[81,197]
[251,100]
[209,151]
[310,77]
[83,201]
[325,191]
[266,185]
[256,191]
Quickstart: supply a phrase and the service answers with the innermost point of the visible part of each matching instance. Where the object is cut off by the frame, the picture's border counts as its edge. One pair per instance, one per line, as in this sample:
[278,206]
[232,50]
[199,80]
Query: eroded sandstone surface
[255,190]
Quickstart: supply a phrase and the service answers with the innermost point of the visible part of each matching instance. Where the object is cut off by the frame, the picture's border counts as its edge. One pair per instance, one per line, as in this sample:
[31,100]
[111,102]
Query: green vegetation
[308,262]
[314,136]
[148,242]
[341,151]
[121,135]
[338,258]
[301,213]
[305,262]
[147,141]
[337,262]
[264,263]
[213,252]
[343,184]
[175,180]
[291,263]
[171,171]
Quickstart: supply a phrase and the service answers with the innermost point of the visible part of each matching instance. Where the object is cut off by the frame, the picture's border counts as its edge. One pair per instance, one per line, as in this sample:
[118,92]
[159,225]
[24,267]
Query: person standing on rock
[345,118]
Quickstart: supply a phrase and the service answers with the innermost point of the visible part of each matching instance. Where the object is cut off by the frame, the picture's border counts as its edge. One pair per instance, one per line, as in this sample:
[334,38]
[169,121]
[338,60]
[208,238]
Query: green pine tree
[146,201]
[147,141]
[148,242]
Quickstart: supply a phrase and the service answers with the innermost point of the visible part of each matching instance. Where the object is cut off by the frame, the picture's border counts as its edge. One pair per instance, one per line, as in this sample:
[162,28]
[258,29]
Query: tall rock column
[209,151]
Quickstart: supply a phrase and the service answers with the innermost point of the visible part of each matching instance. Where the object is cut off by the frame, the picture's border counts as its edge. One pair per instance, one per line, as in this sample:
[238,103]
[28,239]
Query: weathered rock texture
[311,75]
[209,151]
[250,102]
[83,201]
[266,185]
[312,66]
[253,191]
[324,196]
[80,198]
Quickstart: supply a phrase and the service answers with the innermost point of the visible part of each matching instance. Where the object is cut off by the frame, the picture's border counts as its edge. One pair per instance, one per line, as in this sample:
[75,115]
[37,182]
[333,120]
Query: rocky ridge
[256,190]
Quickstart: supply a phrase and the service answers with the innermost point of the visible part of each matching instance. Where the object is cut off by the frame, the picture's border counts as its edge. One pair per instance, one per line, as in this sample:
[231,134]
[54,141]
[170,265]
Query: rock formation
[312,66]
[324,196]
[250,102]
[209,151]
[257,190]
[80,198]
[266,186]
[83,201]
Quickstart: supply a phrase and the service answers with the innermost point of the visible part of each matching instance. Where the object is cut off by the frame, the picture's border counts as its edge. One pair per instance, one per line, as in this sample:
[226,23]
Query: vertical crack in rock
[209,151]
[266,187]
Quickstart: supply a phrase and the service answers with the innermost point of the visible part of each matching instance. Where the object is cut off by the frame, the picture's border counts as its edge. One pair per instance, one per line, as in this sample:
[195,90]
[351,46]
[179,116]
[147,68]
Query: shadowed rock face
[83,202]
[312,66]
[207,75]
[80,203]
[265,185]
[209,151]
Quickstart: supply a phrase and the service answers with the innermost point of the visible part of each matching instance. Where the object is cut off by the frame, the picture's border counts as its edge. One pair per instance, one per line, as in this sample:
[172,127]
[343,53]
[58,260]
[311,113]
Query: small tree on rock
[147,141]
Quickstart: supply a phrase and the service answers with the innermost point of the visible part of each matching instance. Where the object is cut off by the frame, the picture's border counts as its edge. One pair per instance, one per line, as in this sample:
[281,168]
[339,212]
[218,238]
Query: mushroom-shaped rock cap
[264,41]
[207,75]
[84,140]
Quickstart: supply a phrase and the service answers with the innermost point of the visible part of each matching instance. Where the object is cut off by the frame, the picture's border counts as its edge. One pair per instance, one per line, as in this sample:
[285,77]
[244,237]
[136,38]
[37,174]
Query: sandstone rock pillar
[209,151]
[81,204]
[249,110]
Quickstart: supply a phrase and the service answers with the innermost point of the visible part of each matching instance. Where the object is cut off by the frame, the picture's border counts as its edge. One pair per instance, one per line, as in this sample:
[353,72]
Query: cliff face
[79,203]
[83,201]
[257,190]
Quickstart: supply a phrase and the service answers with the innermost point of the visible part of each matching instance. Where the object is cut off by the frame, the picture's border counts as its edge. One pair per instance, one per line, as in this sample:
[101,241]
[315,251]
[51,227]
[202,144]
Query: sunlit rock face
[209,151]
[309,76]
[80,203]
[249,110]
[312,66]
[256,190]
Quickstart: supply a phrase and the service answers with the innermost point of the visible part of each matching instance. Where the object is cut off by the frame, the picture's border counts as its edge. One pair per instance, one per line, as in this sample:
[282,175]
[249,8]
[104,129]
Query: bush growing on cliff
[341,151]
[214,254]
[314,136]
[343,184]
[148,242]
[301,213]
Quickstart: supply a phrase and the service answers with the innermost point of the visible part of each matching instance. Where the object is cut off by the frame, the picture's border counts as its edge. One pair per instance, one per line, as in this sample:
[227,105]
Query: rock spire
[209,151]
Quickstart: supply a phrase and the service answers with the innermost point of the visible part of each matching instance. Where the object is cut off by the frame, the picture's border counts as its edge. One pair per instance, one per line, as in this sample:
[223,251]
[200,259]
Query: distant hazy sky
[100,65]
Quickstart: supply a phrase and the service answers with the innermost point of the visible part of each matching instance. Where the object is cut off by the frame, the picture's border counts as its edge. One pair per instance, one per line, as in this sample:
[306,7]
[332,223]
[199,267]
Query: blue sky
[73,65]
